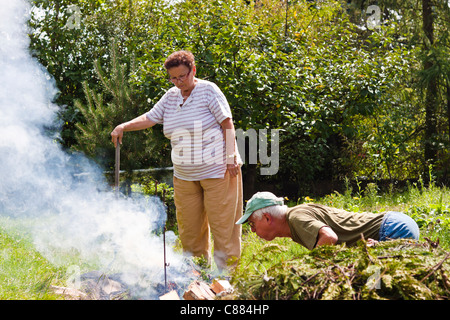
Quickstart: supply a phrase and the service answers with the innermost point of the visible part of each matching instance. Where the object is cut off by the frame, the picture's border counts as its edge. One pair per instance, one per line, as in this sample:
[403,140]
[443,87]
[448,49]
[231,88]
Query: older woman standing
[207,178]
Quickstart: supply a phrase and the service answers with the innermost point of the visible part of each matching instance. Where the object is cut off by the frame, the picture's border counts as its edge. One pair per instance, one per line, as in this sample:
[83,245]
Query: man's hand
[371,242]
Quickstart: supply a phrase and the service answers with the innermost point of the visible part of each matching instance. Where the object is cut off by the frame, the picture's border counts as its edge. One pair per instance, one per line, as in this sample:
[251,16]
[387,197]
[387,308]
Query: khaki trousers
[210,205]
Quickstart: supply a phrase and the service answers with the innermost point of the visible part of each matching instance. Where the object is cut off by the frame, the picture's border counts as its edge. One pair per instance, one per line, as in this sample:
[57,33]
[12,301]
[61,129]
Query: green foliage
[432,213]
[101,117]
[349,101]
[67,52]
[152,187]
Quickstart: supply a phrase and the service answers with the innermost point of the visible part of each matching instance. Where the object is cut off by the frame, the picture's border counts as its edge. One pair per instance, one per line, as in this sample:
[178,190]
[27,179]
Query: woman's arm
[229,136]
[138,123]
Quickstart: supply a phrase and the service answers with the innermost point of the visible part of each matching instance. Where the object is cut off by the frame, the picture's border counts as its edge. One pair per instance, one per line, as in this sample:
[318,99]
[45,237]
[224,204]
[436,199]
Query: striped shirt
[198,145]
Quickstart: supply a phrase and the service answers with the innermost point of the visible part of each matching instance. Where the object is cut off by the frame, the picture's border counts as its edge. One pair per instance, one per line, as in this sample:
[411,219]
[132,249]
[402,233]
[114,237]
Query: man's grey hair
[276,211]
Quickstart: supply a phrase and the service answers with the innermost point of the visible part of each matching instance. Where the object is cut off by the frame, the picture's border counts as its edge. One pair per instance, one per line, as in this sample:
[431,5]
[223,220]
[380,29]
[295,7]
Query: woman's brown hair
[180,58]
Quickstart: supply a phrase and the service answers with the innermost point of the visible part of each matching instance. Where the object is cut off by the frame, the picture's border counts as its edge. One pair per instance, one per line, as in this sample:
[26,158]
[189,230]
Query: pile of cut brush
[398,269]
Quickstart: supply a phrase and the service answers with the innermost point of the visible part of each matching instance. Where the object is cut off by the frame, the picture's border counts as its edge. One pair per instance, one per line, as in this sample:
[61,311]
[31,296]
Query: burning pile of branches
[187,284]
[399,269]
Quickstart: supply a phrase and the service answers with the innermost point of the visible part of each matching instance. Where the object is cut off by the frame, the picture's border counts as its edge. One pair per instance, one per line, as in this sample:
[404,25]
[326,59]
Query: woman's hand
[139,123]
[117,134]
[233,168]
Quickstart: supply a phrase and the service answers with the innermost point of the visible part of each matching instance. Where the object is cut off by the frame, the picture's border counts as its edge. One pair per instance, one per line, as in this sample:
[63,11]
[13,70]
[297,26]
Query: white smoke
[38,183]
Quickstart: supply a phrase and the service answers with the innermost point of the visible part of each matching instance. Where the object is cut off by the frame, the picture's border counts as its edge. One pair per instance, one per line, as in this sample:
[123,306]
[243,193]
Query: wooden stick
[117,169]
[436,267]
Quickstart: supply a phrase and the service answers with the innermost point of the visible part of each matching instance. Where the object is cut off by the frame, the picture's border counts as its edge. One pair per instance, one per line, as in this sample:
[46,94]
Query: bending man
[312,225]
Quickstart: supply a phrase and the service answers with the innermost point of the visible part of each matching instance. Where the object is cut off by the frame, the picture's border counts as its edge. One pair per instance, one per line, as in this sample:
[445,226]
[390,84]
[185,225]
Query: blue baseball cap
[258,201]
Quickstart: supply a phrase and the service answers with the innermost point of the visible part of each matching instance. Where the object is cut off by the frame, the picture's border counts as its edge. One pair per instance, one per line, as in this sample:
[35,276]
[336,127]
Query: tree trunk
[448,109]
[432,89]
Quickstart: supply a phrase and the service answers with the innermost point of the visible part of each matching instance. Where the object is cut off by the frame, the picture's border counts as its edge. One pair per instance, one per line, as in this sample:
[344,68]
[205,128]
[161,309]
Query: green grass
[24,273]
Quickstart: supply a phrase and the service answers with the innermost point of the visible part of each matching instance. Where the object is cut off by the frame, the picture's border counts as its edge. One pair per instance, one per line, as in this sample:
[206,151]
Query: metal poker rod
[117,169]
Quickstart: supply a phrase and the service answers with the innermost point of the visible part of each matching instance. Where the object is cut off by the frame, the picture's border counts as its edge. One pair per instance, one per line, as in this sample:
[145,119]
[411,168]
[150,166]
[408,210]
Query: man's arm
[326,236]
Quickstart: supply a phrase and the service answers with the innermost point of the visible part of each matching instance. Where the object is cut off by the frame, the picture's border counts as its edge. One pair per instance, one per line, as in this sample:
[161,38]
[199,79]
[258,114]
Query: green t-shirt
[305,220]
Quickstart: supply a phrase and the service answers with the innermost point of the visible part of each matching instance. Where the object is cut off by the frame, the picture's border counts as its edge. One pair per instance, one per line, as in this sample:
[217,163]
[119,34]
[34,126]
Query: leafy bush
[399,269]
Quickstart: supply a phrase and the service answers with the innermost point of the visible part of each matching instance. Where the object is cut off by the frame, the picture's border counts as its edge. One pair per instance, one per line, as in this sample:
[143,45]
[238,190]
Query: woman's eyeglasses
[180,78]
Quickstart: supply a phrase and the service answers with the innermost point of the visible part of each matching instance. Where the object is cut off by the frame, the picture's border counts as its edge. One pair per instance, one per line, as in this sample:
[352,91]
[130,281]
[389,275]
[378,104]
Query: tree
[64,45]
[69,35]
[101,116]
[431,85]
[423,27]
